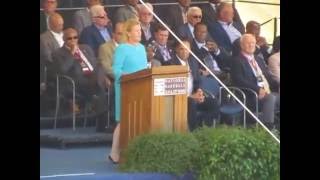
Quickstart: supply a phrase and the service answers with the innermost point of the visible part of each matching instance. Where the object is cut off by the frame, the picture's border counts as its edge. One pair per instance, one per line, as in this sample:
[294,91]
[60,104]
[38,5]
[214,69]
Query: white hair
[94,10]
[142,7]
[193,9]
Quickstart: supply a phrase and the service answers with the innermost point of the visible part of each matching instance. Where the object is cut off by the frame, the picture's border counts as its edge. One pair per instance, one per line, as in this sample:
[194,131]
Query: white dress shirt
[191,28]
[58,37]
[232,32]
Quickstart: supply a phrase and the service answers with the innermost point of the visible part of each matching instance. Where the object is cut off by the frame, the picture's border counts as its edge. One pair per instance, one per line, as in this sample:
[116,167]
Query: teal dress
[126,59]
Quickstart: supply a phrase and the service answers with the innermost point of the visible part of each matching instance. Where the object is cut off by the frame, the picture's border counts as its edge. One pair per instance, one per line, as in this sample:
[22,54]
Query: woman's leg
[115,149]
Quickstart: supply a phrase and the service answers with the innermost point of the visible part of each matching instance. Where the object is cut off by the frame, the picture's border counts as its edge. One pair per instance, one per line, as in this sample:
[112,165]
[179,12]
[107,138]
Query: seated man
[147,24]
[99,32]
[162,51]
[196,101]
[250,71]
[79,63]
[210,54]
[225,30]
[82,18]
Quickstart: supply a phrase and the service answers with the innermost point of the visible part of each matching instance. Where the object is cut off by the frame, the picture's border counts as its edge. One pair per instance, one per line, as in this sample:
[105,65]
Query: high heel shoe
[113,161]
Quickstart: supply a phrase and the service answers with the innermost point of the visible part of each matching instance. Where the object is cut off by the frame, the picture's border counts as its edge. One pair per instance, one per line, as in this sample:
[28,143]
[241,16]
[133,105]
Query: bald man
[50,41]
[250,71]
[49,7]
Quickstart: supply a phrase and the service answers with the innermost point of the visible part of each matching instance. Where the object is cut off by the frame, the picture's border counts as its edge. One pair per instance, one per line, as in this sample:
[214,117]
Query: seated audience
[163,52]
[49,7]
[194,16]
[106,50]
[99,32]
[249,71]
[210,13]
[176,15]
[209,53]
[82,18]
[196,100]
[128,11]
[147,26]
[274,61]
[78,62]
[225,31]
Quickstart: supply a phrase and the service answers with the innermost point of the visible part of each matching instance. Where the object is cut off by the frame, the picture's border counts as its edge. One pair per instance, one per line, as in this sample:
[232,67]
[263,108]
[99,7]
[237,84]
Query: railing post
[275,27]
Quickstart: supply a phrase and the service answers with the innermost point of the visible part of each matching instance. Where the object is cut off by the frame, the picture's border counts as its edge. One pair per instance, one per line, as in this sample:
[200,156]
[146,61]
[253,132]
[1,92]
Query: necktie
[259,73]
[85,67]
[184,15]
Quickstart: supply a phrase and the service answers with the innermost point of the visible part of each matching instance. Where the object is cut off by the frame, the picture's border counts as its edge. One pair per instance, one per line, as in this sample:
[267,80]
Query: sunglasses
[74,37]
[199,17]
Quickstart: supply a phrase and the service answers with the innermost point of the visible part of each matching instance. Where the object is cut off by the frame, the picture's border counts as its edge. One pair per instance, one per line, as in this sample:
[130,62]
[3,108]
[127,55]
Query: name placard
[170,86]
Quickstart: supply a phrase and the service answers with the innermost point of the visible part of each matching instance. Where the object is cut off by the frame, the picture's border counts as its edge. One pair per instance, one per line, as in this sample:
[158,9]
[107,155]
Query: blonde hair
[128,24]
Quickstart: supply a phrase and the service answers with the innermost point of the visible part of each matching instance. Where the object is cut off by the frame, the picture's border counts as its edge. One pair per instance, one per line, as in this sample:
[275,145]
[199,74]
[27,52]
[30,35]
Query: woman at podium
[129,57]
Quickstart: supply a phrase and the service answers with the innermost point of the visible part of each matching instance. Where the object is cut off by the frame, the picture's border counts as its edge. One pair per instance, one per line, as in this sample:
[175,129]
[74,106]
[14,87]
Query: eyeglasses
[199,17]
[74,37]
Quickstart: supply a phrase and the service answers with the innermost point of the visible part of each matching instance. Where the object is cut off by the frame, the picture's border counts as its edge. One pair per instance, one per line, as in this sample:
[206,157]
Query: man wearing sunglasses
[99,32]
[78,62]
[194,16]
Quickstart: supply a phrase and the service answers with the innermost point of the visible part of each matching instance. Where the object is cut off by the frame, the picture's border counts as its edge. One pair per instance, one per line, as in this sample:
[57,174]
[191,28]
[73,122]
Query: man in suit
[106,50]
[147,24]
[128,11]
[262,48]
[162,51]
[49,7]
[210,54]
[210,12]
[50,41]
[194,16]
[196,100]
[225,31]
[177,15]
[82,18]
[79,63]
[99,32]
[250,71]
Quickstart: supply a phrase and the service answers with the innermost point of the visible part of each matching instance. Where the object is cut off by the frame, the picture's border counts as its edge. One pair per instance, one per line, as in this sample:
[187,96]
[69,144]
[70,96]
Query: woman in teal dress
[128,58]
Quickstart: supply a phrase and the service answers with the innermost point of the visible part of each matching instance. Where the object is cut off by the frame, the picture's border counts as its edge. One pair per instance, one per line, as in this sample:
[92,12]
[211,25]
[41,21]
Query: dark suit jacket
[143,37]
[65,64]
[174,18]
[222,59]
[194,67]
[243,76]
[210,15]
[220,35]
[158,55]
[184,32]
[91,36]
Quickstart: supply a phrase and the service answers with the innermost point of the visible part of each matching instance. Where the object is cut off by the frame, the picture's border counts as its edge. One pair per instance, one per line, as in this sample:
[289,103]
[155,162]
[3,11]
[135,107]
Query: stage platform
[63,137]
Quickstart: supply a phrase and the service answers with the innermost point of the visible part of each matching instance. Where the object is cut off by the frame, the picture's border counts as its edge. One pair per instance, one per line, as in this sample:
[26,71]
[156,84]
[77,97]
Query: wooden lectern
[153,100]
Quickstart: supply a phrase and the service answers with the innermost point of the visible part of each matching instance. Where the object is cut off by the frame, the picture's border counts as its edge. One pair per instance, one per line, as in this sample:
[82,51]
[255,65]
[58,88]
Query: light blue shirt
[104,33]
[232,32]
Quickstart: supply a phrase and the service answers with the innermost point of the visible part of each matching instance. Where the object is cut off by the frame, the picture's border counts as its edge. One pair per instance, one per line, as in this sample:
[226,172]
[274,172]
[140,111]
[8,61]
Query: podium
[153,100]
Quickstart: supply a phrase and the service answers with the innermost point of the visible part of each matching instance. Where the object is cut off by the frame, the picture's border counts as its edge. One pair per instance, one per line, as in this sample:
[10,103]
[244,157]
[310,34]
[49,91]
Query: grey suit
[81,19]
[124,13]
[47,45]
[105,55]
[174,18]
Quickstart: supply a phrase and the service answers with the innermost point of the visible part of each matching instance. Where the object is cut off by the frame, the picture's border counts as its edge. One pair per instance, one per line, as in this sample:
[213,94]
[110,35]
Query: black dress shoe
[114,162]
